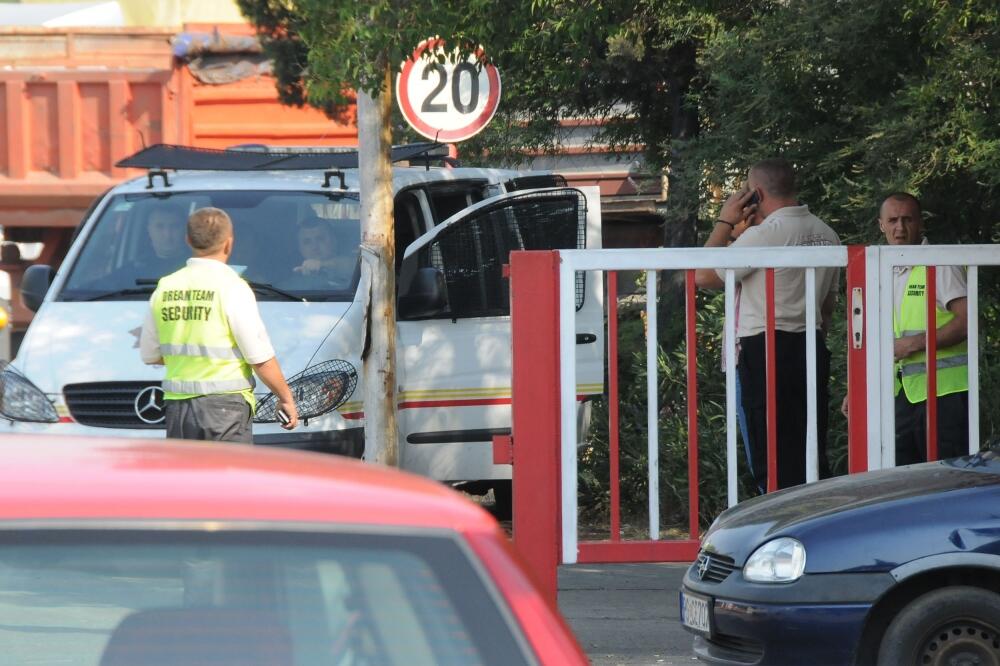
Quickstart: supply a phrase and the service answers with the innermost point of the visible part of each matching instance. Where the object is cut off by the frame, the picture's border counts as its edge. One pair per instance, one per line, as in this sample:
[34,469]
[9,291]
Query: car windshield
[117,597]
[288,245]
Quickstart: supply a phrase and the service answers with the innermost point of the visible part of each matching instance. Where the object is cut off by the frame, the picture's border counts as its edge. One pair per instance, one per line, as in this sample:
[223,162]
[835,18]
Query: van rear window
[289,245]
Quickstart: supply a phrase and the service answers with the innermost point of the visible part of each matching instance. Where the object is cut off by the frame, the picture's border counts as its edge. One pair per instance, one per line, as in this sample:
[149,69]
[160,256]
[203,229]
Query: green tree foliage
[631,65]
[328,48]
[866,97]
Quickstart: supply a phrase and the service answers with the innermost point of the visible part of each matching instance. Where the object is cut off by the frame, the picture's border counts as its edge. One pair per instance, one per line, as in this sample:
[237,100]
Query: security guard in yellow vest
[203,324]
[901,221]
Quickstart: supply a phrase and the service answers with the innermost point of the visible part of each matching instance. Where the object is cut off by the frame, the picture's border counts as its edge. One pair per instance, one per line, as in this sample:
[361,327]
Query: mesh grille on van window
[116,404]
[471,255]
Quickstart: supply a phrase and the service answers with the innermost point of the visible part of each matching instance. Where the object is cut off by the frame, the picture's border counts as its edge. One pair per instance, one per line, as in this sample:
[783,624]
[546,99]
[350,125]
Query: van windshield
[288,245]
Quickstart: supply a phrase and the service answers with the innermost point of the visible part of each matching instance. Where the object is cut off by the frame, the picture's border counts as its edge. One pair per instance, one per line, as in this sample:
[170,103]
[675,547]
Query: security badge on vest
[183,310]
[196,342]
[911,372]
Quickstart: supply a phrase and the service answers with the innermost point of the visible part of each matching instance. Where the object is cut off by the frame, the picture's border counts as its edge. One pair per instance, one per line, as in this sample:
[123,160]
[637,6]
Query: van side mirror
[35,284]
[426,297]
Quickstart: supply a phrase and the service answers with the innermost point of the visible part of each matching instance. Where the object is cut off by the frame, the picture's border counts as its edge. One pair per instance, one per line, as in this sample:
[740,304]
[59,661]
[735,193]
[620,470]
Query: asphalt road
[626,613]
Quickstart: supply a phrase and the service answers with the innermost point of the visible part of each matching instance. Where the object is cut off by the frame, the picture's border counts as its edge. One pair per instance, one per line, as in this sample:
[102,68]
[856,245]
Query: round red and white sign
[447,100]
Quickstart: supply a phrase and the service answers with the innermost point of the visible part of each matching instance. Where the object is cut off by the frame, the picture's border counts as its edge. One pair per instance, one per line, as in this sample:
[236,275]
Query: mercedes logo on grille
[703,564]
[149,405]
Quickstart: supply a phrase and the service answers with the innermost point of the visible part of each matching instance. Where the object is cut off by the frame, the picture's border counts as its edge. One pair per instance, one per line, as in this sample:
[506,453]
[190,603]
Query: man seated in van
[157,249]
[165,225]
[324,260]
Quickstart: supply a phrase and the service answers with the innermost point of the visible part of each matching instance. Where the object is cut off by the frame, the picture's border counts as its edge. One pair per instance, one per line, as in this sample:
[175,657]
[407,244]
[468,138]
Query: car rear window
[109,598]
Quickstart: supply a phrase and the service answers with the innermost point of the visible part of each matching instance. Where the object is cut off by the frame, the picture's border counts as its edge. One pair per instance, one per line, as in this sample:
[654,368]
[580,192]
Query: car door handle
[585,338]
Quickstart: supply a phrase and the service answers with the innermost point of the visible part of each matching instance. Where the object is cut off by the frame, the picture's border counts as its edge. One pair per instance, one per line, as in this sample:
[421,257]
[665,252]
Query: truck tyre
[952,625]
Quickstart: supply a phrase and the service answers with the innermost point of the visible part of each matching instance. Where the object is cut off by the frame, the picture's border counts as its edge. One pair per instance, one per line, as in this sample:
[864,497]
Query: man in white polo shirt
[203,324]
[770,203]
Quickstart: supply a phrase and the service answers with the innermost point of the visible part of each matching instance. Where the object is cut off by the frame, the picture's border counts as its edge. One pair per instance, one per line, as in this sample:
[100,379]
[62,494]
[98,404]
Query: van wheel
[953,626]
[503,500]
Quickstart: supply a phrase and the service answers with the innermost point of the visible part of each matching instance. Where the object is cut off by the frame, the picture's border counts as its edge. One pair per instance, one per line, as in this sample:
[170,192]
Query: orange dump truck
[75,101]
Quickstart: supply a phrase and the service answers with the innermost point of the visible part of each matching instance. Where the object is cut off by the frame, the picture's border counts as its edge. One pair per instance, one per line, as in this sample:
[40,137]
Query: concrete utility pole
[378,242]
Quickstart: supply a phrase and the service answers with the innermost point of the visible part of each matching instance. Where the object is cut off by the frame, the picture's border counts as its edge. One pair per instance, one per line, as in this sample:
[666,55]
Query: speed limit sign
[446,99]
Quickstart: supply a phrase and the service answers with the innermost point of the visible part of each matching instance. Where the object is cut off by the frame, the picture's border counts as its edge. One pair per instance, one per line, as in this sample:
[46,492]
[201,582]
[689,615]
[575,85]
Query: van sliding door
[454,354]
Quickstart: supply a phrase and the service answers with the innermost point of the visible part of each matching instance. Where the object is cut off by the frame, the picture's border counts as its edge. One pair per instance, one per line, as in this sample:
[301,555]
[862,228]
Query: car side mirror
[426,297]
[35,284]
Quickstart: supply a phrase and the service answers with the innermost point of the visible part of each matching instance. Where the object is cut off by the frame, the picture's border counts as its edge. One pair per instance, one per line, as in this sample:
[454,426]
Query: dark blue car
[894,567]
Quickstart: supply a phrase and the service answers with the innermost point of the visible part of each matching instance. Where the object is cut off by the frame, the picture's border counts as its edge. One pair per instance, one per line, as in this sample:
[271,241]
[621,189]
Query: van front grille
[113,404]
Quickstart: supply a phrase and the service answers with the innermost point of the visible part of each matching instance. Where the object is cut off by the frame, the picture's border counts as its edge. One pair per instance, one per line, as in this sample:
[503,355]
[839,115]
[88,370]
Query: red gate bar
[857,381]
[664,550]
[613,452]
[535,390]
[931,348]
[692,405]
[772,389]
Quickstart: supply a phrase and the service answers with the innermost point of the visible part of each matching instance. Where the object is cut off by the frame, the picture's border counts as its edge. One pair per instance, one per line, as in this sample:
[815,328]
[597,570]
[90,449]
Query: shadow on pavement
[626,613]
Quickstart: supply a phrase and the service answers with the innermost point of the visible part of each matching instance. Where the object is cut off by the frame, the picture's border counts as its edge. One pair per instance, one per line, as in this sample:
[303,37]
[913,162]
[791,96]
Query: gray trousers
[224,417]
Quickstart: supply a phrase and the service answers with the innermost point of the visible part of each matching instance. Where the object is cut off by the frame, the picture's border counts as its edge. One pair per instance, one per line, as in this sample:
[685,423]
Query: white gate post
[873,357]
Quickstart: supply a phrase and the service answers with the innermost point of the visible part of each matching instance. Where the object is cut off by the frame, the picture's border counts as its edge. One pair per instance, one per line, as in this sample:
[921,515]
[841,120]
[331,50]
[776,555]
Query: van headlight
[20,400]
[317,390]
[781,560]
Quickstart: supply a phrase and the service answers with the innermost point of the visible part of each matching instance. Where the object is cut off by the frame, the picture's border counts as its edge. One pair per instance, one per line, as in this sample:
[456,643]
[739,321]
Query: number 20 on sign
[447,99]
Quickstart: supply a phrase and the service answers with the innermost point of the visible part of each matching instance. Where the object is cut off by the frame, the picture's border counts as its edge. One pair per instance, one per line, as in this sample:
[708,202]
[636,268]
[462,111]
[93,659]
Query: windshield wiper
[128,291]
[259,286]
[270,288]
[147,285]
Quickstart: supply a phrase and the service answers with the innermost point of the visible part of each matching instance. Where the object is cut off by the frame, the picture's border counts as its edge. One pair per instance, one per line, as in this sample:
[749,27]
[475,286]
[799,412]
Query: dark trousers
[952,428]
[224,417]
[790,381]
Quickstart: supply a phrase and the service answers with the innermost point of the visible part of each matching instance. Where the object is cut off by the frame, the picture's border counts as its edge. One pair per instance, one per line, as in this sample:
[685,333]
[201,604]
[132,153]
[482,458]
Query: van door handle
[585,338]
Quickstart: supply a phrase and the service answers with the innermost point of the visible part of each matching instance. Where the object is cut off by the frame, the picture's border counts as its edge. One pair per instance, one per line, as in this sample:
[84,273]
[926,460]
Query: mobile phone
[754,199]
[283,417]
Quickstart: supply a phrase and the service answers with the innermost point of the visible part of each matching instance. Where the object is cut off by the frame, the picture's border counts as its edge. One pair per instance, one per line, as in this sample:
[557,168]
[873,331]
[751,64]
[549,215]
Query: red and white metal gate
[544,440]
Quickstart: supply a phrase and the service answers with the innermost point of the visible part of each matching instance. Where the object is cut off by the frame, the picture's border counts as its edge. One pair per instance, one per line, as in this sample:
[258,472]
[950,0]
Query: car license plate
[696,612]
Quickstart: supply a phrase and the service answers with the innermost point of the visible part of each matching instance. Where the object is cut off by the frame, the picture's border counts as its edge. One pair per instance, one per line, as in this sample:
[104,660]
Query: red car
[156,553]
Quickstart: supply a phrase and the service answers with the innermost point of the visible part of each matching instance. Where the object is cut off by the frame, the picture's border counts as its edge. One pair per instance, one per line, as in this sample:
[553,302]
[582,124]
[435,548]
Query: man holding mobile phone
[204,325]
[766,213]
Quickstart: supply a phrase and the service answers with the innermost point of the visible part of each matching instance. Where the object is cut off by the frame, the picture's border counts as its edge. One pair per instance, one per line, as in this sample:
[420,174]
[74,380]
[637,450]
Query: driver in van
[321,256]
[165,225]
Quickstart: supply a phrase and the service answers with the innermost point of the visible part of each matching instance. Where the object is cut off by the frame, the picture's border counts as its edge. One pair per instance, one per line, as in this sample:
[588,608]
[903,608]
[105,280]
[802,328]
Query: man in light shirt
[204,325]
[769,201]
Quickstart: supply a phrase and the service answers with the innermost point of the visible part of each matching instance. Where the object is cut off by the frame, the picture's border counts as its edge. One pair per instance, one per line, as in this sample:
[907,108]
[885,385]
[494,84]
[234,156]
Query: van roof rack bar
[153,173]
[426,159]
[167,156]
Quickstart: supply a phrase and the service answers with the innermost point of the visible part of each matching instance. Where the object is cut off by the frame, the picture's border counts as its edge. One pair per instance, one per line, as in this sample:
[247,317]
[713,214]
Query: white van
[78,369]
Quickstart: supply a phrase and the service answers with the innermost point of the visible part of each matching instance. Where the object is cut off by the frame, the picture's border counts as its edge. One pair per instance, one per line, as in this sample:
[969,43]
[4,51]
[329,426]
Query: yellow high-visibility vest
[196,342]
[952,362]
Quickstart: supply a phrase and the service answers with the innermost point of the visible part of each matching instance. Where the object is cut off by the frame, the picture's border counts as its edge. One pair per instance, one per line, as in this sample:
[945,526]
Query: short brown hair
[776,177]
[208,229]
